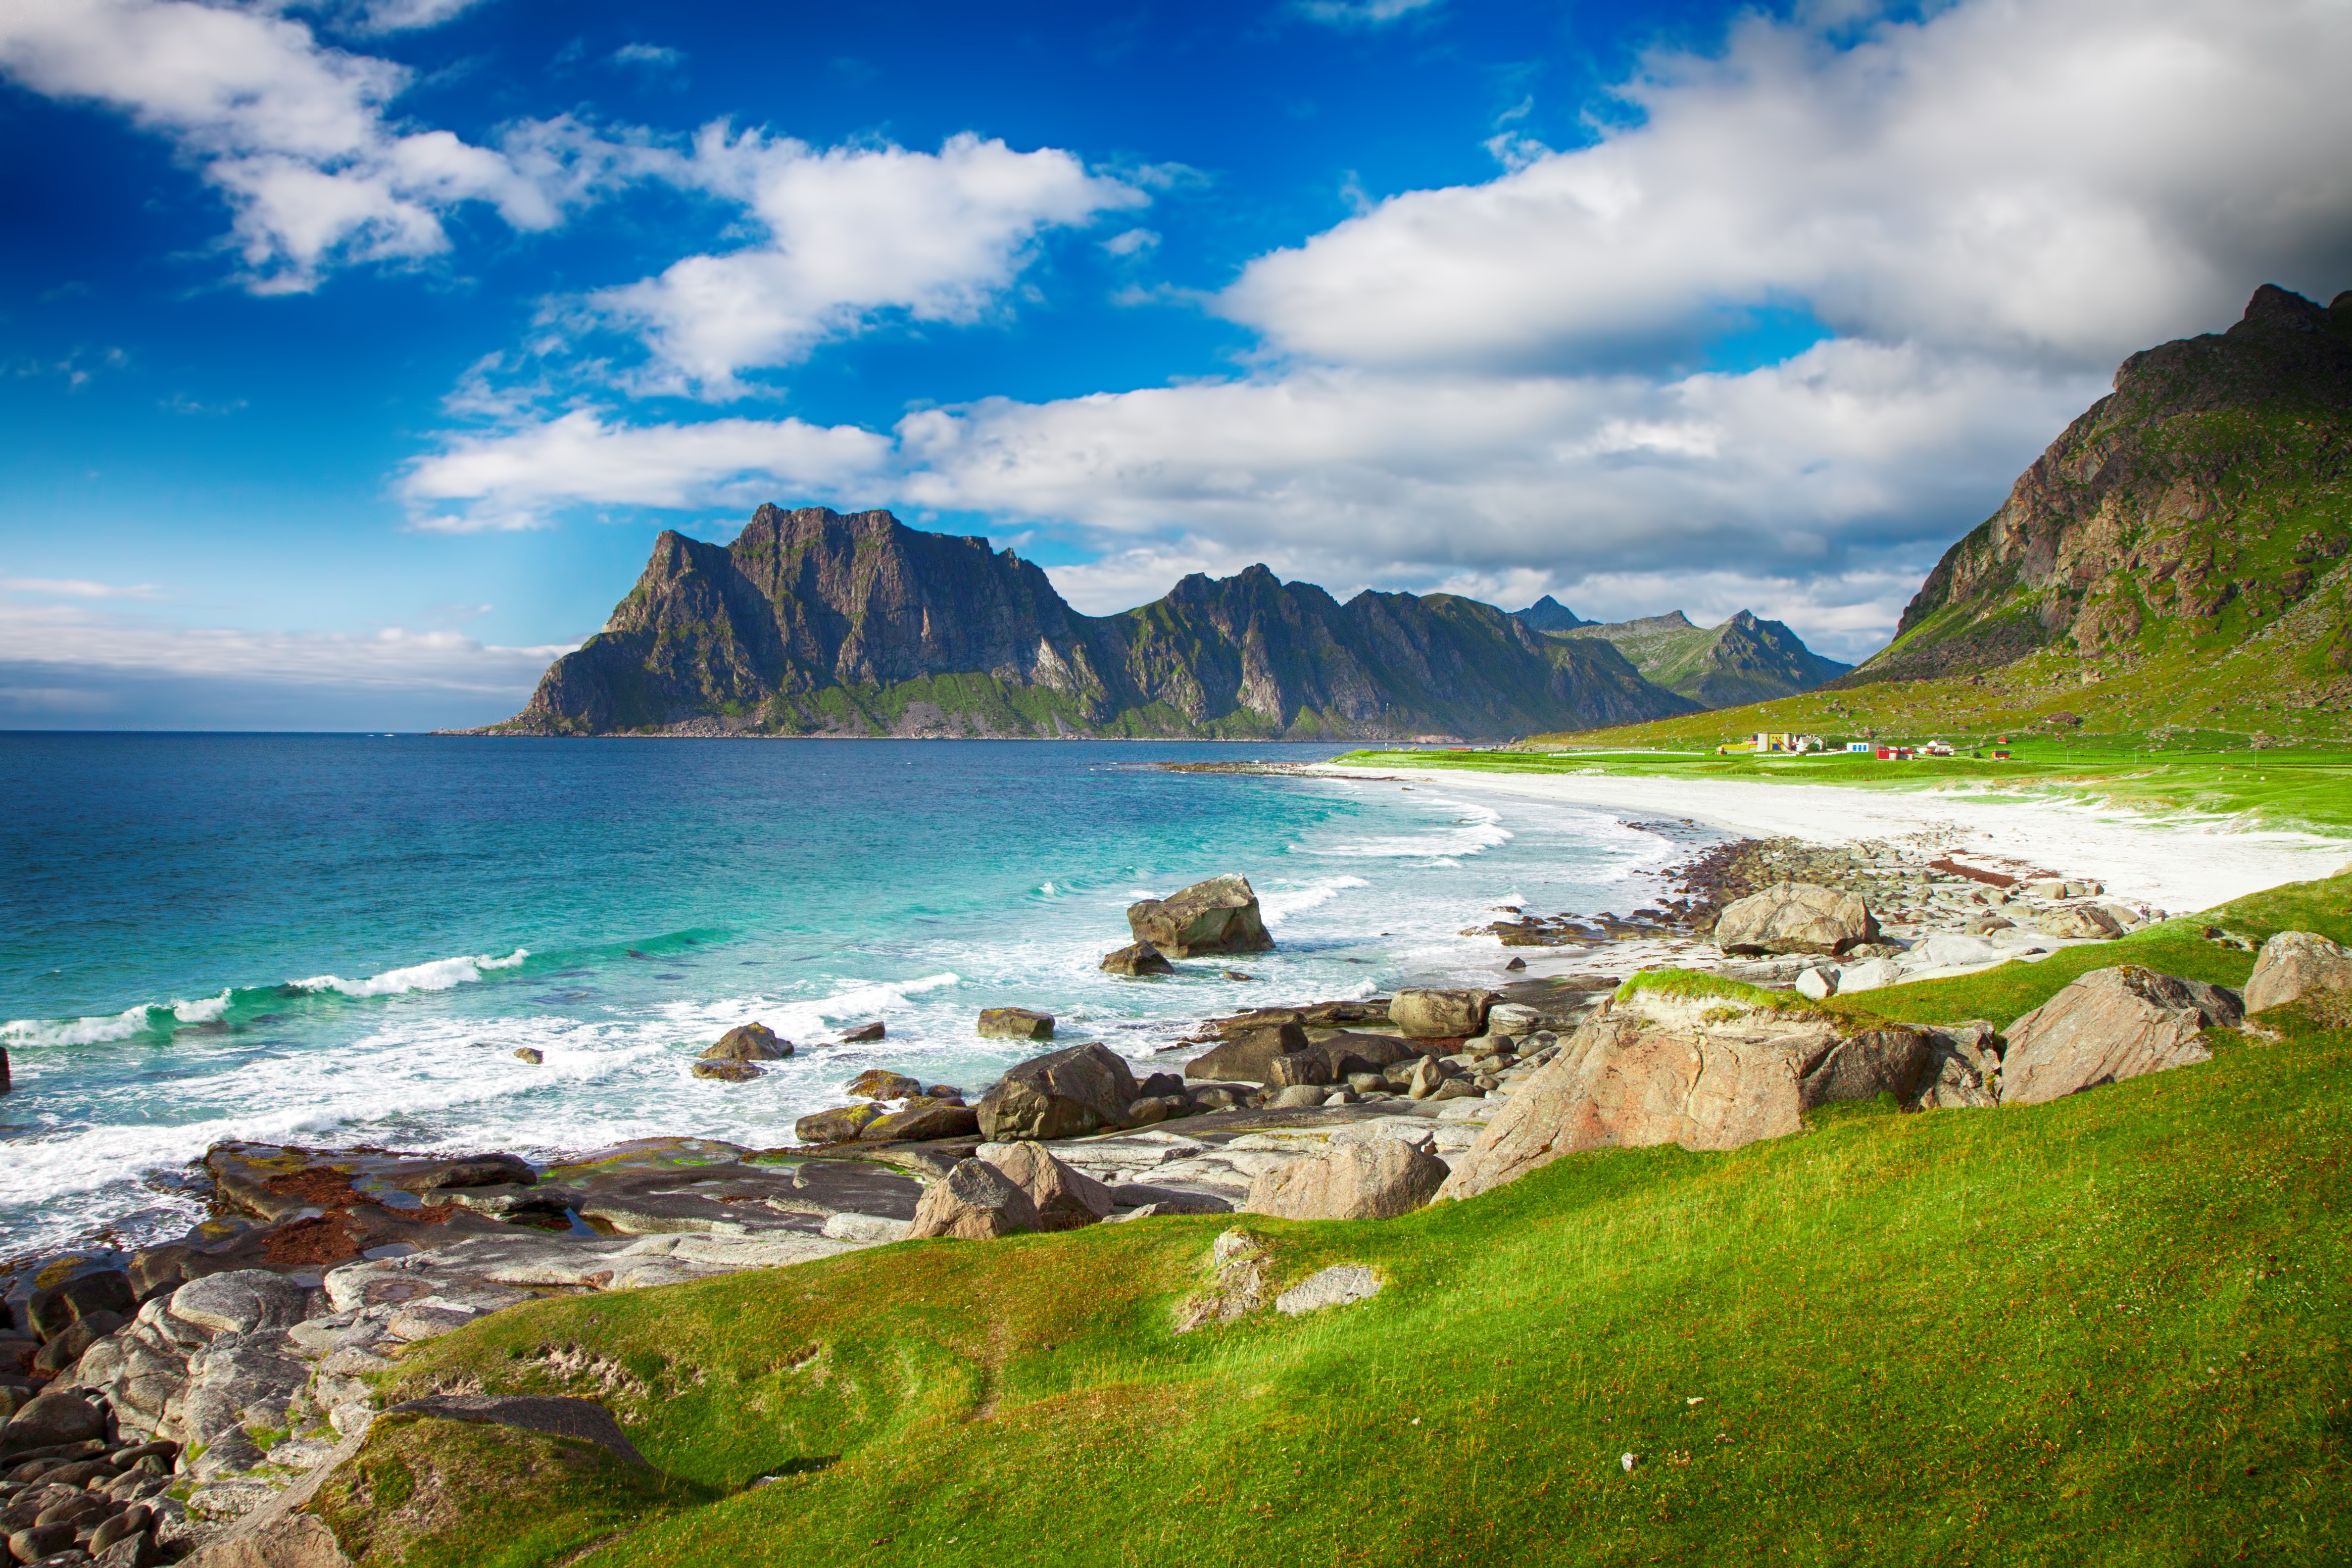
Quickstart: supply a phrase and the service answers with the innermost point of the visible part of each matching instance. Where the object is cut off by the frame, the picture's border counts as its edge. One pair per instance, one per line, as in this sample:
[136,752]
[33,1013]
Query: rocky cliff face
[811,621]
[2203,499]
[1746,660]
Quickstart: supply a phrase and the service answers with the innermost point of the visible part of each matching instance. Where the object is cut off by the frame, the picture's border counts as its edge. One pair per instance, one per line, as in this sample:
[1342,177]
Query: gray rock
[1376,1179]
[1425,1077]
[2112,1024]
[52,1419]
[2292,964]
[240,1303]
[1816,985]
[1300,1095]
[1134,960]
[841,1125]
[1962,1072]
[1795,917]
[1015,1024]
[727,1072]
[749,1043]
[866,1227]
[1248,1056]
[1236,1286]
[1626,1080]
[1437,1015]
[1167,1200]
[1064,1094]
[1298,1069]
[1512,1020]
[923,1124]
[1333,1286]
[1220,915]
[1064,1198]
[975,1202]
[2079,921]
[1874,1062]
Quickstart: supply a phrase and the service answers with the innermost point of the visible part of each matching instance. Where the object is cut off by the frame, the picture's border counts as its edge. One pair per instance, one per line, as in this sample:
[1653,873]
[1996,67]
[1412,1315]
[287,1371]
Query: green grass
[2108,1331]
[2307,789]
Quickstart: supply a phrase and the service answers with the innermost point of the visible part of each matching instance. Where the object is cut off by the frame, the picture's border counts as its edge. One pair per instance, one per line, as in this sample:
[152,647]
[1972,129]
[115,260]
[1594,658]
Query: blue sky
[354,352]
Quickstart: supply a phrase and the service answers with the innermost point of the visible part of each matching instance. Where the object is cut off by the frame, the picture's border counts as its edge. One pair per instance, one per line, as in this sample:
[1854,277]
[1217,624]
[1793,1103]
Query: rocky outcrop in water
[811,621]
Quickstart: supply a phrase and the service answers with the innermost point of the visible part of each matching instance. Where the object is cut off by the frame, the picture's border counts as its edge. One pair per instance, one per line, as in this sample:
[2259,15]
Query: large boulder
[1628,1080]
[974,1202]
[2293,963]
[880,1083]
[1795,917]
[1015,1024]
[923,1124]
[749,1043]
[1220,915]
[1377,1178]
[1435,1015]
[1248,1056]
[1064,1198]
[52,1419]
[1874,1062]
[60,1306]
[2112,1024]
[839,1125]
[2080,922]
[1063,1094]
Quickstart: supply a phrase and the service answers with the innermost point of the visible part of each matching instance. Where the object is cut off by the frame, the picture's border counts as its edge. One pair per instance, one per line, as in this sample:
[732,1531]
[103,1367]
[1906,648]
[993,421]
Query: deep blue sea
[342,940]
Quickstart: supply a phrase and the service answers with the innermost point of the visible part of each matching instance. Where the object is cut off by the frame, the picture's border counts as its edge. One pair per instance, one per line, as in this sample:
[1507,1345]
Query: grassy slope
[2311,789]
[2106,1330]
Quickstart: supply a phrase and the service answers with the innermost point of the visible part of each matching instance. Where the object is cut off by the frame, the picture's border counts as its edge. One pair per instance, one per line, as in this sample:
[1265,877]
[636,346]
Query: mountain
[811,621]
[2203,505]
[1548,614]
[1743,660]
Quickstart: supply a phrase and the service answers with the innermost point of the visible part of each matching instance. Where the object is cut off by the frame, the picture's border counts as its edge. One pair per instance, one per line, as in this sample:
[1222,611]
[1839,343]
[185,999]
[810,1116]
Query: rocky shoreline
[204,1380]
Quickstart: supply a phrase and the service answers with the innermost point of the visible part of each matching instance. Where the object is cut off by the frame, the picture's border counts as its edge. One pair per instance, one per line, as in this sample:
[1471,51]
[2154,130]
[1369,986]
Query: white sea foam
[1276,902]
[439,974]
[110,1026]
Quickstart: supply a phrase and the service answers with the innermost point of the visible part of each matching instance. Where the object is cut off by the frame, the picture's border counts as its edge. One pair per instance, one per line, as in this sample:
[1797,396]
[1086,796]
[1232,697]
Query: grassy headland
[2110,1329]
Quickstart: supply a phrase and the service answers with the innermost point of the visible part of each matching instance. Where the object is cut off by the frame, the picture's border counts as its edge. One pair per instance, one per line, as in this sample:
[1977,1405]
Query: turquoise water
[342,939]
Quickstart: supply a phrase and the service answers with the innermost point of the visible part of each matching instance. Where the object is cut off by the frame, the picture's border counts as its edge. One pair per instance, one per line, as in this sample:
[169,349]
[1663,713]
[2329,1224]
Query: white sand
[2177,863]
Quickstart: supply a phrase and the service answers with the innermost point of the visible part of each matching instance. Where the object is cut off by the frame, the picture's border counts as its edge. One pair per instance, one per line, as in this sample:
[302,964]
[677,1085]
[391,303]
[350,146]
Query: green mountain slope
[1743,660]
[814,623]
[2186,513]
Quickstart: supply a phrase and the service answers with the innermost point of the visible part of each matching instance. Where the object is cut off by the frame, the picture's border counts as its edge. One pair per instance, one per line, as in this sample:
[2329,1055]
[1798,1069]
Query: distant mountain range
[811,621]
[1743,660]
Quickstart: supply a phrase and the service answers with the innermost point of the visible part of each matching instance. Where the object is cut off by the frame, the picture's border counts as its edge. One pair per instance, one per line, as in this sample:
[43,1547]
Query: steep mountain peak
[1548,614]
[2200,499]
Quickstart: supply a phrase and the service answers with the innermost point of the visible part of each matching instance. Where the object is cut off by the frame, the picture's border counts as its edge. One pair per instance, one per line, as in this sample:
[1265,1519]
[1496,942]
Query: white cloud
[77,588]
[1488,386]
[1131,242]
[653,57]
[2061,180]
[293,132]
[517,478]
[74,637]
[1361,13]
[410,16]
[851,232]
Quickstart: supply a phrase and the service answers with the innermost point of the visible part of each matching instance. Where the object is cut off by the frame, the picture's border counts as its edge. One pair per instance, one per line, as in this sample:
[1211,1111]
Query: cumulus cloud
[293,132]
[850,232]
[2056,180]
[519,476]
[1492,387]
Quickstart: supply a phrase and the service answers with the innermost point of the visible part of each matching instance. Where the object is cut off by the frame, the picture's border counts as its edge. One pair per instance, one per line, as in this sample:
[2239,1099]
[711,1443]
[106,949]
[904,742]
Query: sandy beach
[2177,863]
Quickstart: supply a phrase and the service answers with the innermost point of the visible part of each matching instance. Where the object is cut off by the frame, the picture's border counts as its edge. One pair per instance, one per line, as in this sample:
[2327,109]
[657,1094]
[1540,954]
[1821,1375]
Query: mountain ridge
[1742,660]
[814,622]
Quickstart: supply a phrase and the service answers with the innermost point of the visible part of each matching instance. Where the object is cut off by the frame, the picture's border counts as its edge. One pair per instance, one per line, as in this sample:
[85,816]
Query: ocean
[342,939]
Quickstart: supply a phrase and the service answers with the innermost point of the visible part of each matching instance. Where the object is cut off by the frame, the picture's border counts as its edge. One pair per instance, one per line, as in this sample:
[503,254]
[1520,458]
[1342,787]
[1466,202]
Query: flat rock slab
[1333,1286]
